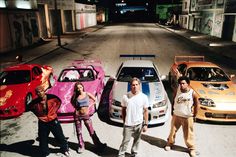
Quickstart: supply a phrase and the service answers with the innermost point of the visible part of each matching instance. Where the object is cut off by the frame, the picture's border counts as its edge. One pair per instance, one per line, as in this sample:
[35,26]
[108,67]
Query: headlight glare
[207,102]
[116,103]
[159,104]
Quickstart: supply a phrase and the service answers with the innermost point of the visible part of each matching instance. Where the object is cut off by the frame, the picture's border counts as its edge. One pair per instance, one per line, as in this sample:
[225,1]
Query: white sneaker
[67,154]
[80,150]
[167,148]
[192,153]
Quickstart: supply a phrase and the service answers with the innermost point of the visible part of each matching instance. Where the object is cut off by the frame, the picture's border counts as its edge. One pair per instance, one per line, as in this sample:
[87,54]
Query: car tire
[28,99]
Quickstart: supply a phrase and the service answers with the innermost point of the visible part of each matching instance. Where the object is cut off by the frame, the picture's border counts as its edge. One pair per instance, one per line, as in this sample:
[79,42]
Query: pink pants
[78,125]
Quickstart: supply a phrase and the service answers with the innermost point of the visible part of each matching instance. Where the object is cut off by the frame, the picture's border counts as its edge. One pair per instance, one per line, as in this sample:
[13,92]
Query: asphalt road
[18,136]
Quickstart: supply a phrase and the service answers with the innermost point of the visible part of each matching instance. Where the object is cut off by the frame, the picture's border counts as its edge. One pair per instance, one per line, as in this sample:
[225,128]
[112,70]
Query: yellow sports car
[216,91]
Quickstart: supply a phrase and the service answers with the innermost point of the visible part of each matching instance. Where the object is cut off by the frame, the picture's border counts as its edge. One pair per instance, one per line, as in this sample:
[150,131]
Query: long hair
[76,93]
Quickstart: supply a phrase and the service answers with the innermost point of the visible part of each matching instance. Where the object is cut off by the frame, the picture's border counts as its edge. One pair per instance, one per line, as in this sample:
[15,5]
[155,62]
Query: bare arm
[91,97]
[145,116]
[195,104]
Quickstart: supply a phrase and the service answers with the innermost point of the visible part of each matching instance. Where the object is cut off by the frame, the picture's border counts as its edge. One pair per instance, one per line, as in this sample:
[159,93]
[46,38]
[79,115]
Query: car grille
[219,115]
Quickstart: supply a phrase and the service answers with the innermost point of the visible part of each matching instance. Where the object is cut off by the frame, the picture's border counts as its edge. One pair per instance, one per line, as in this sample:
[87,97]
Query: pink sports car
[92,76]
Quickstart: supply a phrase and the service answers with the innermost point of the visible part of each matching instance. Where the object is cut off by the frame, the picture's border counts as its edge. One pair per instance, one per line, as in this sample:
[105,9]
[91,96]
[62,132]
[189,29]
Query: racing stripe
[129,87]
[146,88]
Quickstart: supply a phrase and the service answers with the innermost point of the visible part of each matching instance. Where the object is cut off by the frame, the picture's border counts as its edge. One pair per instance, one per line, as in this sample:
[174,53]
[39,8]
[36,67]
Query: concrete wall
[19,28]
[85,15]
[234,34]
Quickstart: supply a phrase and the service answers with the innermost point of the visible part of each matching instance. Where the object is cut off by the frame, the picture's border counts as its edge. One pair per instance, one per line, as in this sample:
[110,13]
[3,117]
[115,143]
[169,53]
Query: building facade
[25,22]
[211,17]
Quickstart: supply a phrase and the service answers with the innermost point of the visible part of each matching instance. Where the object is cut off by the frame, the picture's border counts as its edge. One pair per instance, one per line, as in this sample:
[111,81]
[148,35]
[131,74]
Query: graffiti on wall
[207,23]
[24,28]
[218,23]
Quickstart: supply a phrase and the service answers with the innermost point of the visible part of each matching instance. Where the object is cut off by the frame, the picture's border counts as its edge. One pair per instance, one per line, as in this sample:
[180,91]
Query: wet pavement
[226,49]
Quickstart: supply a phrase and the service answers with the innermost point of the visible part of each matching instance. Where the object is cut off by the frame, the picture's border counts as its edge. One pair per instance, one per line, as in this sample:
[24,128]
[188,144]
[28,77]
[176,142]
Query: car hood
[154,90]
[218,92]
[64,90]
[11,94]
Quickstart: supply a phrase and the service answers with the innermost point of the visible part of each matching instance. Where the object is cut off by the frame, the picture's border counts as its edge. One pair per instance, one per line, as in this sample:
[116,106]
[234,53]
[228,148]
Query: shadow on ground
[27,148]
[162,143]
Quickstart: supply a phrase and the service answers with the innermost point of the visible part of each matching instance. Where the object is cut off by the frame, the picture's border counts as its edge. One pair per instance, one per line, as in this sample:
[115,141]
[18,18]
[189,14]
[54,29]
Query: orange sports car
[215,89]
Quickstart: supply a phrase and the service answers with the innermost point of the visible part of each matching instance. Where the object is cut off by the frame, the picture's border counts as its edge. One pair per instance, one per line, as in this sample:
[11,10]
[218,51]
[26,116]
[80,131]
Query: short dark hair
[183,78]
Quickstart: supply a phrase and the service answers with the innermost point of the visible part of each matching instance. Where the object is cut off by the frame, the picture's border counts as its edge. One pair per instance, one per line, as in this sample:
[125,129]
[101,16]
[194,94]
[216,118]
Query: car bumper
[155,116]
[65,117]
[211,114]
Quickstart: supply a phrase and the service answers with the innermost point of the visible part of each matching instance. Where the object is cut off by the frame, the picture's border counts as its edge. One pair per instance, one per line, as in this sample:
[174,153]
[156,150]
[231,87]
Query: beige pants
[187,125]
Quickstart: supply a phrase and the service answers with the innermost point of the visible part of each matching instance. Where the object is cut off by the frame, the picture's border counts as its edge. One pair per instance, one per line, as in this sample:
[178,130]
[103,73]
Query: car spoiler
[140,56]
[86,62]
[189,59]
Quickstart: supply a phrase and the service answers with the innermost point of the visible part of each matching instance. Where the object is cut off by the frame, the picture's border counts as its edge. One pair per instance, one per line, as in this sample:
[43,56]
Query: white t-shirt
[135,105]
[183,104]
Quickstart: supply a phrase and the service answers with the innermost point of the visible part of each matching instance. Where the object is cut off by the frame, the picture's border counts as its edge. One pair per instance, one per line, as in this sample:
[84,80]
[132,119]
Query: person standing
[135,117]
[80,101]
[45,108]
[184,110]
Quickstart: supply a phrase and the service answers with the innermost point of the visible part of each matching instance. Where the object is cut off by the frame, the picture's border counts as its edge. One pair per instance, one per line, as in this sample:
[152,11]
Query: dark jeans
[44,128]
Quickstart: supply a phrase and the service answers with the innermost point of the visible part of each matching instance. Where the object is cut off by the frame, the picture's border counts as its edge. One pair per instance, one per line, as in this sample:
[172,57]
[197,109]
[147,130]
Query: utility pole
[58,19]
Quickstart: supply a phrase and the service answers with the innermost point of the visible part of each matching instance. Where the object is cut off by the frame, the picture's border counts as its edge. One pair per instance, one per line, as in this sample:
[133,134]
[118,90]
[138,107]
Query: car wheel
[51,80]
[28,100]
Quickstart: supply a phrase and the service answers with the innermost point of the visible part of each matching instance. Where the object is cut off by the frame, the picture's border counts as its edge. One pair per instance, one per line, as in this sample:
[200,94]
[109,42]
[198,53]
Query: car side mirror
[163,77]
[232,76]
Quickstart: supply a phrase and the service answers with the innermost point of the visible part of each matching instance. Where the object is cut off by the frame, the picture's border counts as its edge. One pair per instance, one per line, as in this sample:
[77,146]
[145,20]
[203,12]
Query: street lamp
[58,19]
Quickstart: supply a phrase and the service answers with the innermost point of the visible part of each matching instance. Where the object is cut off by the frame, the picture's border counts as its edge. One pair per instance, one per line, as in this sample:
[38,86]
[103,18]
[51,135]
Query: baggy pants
[44,128]
[187,126]
[129,131]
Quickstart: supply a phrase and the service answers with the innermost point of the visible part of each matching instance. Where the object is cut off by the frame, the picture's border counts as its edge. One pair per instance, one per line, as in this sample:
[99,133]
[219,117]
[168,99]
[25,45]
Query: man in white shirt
[135,117]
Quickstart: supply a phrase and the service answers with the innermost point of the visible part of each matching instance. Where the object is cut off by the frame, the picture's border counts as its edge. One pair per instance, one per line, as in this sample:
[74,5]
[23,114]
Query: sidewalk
[216,45]
[43,47]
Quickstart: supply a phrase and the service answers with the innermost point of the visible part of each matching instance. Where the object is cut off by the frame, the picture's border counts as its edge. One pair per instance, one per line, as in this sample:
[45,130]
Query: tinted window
[73,75]
[211,74]
[14,77]
[144,74]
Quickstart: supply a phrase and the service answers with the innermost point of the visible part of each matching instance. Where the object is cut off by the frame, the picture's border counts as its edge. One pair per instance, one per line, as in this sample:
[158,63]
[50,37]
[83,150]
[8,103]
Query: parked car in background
[90,73]
[215,90]
[17,87]
[151,85]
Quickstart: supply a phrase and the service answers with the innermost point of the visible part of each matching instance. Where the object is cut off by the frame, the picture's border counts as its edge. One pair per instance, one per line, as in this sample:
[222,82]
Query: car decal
[146,88]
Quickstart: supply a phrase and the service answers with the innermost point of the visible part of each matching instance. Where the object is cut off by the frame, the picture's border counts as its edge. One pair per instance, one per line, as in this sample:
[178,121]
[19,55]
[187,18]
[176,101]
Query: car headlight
[207,102]
[116,103]
[159,104]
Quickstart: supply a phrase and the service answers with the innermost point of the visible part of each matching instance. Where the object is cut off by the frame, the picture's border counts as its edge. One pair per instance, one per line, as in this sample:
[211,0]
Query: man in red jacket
[45,108]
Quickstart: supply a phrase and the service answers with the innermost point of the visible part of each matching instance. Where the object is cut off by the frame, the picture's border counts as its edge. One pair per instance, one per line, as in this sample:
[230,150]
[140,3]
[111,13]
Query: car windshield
[14,77]
[211,74]
[74,75]
[144,74]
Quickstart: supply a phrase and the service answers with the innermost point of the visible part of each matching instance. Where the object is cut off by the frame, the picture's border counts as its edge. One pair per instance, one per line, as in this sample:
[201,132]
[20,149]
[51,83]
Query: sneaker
[80,150]
[167,148]
[67,154]
[192,153]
